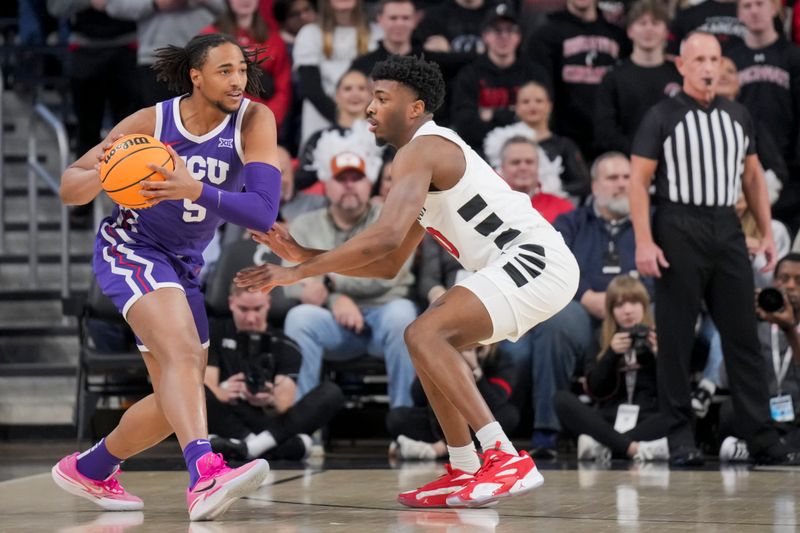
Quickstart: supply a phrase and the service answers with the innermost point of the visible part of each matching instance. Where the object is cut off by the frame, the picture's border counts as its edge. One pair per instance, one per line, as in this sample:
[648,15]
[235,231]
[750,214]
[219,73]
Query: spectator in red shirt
[241,19]
[519,167]
[796,23]
[265,9]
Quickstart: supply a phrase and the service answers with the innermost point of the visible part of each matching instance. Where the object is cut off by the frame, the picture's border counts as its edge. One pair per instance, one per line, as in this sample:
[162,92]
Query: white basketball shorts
[526,285]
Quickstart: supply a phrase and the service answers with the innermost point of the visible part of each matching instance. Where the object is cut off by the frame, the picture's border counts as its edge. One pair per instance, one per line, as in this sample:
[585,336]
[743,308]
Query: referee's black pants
[705,248]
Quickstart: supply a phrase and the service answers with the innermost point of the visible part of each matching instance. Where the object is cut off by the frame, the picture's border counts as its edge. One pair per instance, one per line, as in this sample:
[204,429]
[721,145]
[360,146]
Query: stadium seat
[103,374]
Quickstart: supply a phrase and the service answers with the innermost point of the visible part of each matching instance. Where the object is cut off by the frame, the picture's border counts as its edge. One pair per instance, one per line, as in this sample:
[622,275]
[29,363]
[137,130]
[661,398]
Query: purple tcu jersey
[181,227]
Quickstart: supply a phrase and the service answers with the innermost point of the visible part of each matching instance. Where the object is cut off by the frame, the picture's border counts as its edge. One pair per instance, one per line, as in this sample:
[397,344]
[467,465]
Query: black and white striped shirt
[700,151]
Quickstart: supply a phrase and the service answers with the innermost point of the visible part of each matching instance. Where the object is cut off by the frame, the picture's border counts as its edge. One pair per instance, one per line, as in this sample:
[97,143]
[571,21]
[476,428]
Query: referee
[700,147]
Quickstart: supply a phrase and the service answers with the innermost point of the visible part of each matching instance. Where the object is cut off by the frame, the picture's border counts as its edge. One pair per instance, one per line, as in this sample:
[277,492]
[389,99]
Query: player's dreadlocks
[173,62]
[424,77]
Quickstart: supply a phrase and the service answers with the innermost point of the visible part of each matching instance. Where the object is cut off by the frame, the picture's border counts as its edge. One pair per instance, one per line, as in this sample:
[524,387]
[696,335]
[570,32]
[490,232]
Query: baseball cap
[347,161]
[497,13]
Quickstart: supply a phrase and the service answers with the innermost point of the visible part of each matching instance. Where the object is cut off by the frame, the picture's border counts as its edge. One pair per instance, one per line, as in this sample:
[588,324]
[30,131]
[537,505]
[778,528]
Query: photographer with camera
[713,374]
[778,311]
[627,421]
[251,389]
[600,235]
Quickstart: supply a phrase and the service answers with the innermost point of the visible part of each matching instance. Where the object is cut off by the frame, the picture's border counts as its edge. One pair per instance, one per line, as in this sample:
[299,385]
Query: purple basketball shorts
[126,270]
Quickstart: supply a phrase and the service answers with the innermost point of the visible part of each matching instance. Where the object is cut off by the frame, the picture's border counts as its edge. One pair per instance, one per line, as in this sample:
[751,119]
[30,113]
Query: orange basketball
[124,167]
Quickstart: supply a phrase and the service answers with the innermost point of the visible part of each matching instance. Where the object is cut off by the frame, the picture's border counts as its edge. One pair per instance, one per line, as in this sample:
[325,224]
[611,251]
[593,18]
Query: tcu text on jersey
[200,167]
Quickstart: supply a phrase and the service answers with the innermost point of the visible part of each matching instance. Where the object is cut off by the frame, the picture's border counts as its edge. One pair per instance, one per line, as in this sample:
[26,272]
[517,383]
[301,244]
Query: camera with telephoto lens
[639,338]
[257,362]
[770,300]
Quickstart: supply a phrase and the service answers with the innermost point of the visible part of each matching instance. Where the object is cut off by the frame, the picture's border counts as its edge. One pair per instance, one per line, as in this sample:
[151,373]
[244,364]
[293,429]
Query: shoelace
[489,460]
[112,485]
[214,466]
[450,472]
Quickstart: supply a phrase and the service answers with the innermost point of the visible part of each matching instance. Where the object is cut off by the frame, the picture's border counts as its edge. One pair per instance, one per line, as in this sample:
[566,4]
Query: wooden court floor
[649,498]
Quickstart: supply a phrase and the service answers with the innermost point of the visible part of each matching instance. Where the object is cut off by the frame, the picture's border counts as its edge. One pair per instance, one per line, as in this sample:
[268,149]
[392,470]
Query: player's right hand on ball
[177,184]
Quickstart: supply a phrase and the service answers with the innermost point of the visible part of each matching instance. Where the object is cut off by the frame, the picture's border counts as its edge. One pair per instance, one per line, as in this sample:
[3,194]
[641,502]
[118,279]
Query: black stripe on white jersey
[492,223]
[704,158]
[475,205]
[525,261]
[506,237]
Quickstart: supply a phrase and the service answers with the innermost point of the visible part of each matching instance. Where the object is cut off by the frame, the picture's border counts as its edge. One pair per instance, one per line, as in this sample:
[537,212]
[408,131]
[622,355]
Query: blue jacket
[587,235]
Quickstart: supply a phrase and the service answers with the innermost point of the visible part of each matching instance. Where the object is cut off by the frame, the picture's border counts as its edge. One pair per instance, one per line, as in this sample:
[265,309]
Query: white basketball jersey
[480,216]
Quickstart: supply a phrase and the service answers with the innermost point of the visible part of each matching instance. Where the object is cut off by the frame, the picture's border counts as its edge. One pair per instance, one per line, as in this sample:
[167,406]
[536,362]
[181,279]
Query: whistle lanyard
[781,366]
[630,375]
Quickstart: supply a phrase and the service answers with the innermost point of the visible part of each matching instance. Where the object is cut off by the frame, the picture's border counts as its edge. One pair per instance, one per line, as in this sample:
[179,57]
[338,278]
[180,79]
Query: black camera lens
[770,300]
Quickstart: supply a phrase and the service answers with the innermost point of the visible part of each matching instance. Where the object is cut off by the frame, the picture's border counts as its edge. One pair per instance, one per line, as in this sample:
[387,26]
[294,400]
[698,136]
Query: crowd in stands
[552,95]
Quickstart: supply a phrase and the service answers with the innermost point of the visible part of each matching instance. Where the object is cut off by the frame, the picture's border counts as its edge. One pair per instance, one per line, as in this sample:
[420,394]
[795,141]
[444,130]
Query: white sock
[490,434]
[258,444]
[464,458]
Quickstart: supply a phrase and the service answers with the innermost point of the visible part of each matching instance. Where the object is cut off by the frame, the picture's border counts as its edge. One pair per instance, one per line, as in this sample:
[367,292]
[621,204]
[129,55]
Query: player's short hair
[647,7]
[173,63]
[419,75]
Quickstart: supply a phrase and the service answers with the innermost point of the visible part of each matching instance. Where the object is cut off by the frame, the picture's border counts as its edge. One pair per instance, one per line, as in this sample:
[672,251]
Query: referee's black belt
[689,209]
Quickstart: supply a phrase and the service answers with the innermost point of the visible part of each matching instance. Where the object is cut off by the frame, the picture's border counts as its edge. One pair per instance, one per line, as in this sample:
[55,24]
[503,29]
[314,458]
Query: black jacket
[624,96]
[482,84]
[577,55]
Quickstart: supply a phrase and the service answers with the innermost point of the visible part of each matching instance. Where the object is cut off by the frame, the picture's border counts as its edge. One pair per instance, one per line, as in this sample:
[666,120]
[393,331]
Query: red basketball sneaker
[502,475]
[435,493]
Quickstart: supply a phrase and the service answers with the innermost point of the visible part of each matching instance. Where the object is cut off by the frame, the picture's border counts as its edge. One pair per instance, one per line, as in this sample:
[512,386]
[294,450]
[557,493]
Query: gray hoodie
[156,29]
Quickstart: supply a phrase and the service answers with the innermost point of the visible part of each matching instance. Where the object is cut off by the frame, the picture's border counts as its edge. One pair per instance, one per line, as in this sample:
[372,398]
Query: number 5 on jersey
[193,212]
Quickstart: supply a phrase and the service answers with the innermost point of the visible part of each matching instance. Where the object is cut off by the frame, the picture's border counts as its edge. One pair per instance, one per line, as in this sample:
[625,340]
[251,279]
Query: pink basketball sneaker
[219,486]
[502,475]
[107,493]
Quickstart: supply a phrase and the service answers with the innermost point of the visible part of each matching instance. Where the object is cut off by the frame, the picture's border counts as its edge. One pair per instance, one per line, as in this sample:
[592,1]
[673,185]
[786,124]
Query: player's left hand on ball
[101,155]
[176,185]
[265,277]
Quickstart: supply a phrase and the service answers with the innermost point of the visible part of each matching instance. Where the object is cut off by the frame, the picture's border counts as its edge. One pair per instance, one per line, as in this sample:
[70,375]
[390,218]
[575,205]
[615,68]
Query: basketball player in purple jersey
[148,260]
[523,274]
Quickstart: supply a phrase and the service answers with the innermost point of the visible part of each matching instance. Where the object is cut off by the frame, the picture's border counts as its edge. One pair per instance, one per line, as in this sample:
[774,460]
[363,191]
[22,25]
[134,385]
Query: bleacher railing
[2,164]
[37,171]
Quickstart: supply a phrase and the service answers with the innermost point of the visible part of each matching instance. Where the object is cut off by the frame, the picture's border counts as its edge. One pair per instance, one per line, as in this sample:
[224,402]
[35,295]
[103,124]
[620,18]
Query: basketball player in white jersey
[524,274]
